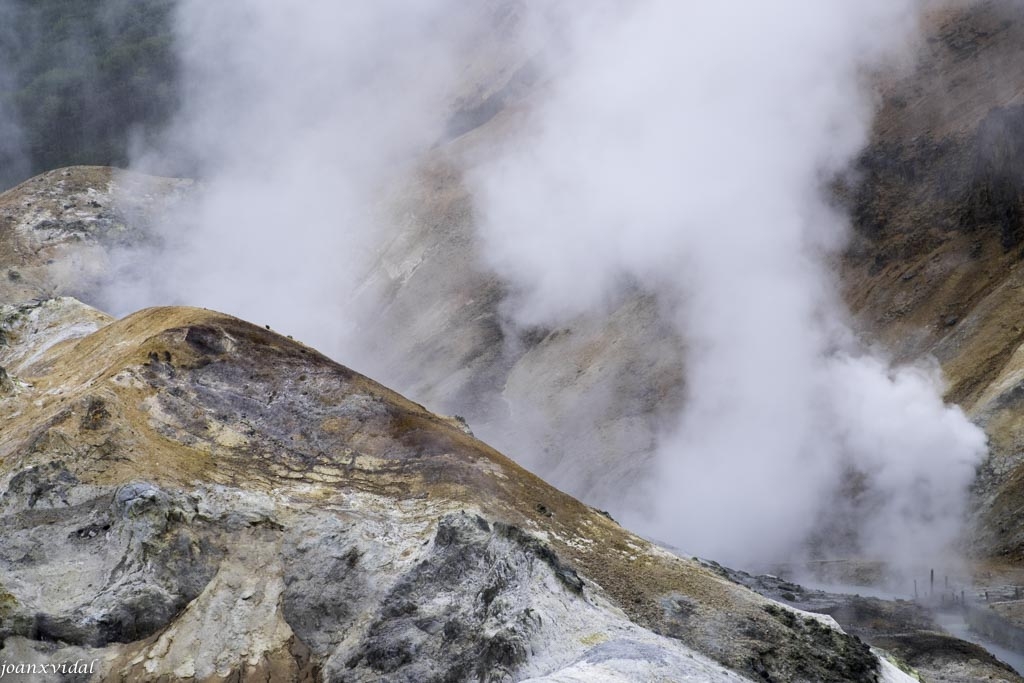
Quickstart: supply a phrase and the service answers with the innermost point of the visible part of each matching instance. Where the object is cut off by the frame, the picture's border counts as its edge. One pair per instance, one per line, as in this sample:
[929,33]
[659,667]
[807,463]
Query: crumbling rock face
[58,231]
[190,497]
[431,627]
[115,570]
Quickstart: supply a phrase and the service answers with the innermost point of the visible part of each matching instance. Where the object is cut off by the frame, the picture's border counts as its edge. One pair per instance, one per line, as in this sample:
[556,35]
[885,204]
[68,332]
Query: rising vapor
[684,149]
[690,147]
[292,118]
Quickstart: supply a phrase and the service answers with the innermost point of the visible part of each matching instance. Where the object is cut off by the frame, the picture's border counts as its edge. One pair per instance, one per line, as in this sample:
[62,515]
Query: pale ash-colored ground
[187,496]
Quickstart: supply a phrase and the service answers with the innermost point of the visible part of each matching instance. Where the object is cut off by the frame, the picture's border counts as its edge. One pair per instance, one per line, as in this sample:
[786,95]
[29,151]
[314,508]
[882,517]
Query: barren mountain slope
[935,265]
[57,230]
[186,495]
[580,405]
[235,504]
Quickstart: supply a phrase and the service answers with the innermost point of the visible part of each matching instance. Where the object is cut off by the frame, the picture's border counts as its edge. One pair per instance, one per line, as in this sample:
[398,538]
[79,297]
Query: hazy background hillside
[81,80]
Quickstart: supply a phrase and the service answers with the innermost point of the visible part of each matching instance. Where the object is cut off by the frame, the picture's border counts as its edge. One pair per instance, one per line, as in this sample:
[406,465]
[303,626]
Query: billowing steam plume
[291,117]
[686,148]
[689,147]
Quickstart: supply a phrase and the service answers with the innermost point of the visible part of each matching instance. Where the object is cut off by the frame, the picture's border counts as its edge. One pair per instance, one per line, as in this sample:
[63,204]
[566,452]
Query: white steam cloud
[688,146]
[292,116]
[683,147]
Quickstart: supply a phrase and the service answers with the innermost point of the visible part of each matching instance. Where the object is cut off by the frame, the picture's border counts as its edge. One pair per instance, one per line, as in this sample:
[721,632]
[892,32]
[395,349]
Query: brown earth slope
[935,265]
[189,496]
